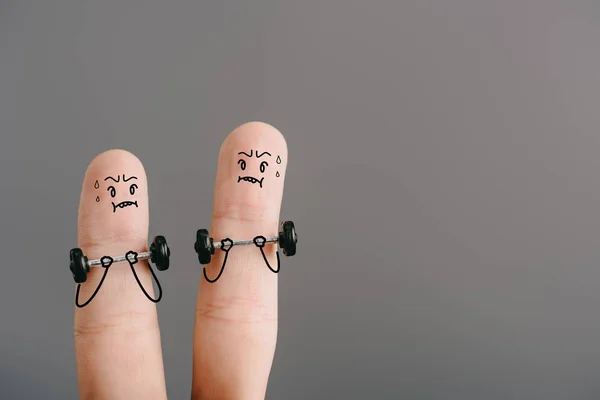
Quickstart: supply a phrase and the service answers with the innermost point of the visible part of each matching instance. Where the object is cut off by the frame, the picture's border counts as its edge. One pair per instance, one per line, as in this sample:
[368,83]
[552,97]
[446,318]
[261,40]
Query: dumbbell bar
[218,245]
[159,254]
[205,246]
[141,256]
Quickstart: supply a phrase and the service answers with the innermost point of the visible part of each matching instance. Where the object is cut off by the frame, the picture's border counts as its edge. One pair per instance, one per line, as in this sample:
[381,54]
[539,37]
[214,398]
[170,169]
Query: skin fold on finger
[117,338]
[236,316]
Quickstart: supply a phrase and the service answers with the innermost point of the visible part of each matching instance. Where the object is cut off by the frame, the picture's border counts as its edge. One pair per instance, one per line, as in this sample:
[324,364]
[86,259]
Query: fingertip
[112,157]
[113,205]
[255,133]
[251,173]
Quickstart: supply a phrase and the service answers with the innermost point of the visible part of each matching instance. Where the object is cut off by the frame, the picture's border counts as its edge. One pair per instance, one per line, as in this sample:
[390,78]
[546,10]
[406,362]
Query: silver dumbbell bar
[218,245]
[141,256]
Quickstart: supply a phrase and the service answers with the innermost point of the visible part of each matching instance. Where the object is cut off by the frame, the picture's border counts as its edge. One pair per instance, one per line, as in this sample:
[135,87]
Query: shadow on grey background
[443,176]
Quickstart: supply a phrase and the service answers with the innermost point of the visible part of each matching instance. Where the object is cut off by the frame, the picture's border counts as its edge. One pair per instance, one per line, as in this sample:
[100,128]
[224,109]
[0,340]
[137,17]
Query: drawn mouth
[251,180]
[124,204]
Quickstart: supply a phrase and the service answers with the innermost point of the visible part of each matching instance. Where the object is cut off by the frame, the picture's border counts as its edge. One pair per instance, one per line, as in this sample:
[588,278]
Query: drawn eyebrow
[110,177]
[130,178]
[246,154]
[259,156]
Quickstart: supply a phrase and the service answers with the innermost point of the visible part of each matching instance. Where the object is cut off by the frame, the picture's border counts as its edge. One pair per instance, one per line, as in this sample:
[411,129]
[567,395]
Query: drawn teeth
[126,204]
[250,179]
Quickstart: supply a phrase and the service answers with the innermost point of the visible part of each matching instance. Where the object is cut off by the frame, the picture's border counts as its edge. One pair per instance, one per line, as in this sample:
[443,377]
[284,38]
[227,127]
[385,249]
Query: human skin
[117,336]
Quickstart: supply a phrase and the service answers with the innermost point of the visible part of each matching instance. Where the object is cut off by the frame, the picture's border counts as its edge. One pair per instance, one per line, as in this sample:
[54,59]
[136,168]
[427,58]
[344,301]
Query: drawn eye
[112,190]
[263,165]
[242,164]
[132,188]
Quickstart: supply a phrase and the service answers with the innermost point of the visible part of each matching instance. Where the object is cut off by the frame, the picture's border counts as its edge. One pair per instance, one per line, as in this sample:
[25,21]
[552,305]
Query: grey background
[443,177]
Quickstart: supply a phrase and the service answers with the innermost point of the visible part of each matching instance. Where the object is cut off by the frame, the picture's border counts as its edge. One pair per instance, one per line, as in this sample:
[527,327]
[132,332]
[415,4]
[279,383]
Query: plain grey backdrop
[443,176]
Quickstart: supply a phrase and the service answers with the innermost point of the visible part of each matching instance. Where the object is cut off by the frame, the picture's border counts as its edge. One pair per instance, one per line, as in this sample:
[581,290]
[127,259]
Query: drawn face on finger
[254,167]
[121,191]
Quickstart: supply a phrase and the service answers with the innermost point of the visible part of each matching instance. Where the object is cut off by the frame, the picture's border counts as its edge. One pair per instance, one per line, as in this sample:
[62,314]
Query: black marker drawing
[226,245]
[110,177]
[124,204]
[132,259]
[278,161]
[251,180]
[105,262]
[262,167]
[260,241]
[97,199]
[205,247]
[277,174]
[158,253]
[96,185]
[113,192]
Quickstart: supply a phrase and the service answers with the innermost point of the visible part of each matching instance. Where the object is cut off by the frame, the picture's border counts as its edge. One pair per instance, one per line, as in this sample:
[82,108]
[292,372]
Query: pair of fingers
[117,336]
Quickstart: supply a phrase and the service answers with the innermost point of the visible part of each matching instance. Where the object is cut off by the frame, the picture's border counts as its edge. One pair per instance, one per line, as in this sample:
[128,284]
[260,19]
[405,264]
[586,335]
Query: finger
[236,317]
[117,339]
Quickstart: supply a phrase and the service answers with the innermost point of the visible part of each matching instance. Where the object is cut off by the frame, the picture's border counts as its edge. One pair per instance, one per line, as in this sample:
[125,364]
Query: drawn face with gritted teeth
[245,158]
[113,192]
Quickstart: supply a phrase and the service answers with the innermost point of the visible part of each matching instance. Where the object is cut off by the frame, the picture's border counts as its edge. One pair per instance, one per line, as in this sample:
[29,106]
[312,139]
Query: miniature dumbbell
[159,254]
[205,246]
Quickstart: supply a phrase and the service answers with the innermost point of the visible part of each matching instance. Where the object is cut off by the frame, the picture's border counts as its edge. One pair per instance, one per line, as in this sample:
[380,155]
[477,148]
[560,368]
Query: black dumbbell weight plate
[78,265]
[160,253]
[204,246]
[288,238]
